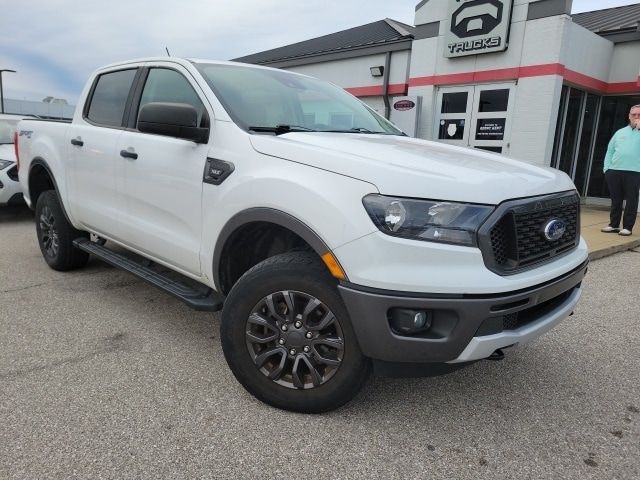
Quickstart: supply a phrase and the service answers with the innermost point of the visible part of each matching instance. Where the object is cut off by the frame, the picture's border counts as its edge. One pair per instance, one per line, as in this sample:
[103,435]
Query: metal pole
[1,92]
[385,86]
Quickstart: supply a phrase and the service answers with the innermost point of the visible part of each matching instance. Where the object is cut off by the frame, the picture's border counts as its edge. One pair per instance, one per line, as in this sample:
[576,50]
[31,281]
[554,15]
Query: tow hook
[496,356]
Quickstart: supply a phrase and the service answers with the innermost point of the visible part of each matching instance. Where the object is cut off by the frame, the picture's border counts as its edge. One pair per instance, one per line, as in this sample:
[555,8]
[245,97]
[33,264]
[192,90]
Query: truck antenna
[167,49]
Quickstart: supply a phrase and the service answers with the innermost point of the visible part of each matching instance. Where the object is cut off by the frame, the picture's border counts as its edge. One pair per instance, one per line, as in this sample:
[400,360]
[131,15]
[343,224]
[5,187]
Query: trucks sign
[478,26]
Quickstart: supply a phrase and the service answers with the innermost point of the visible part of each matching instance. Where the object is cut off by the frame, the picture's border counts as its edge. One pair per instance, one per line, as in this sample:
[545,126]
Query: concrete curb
[605,252]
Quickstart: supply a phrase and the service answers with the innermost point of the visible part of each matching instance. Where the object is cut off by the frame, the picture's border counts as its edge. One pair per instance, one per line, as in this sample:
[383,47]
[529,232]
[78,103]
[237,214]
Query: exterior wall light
[377,71]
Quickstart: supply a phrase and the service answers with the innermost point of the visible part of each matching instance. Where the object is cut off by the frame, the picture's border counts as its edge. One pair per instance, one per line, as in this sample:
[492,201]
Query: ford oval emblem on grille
[554,230]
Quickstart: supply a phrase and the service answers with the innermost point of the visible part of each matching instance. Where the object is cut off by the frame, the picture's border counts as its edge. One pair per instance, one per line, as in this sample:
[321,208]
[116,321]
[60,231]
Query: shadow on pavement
[15,213]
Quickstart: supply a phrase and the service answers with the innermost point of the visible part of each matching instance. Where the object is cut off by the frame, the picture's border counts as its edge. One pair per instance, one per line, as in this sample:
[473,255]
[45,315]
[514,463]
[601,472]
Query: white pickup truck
[335,243]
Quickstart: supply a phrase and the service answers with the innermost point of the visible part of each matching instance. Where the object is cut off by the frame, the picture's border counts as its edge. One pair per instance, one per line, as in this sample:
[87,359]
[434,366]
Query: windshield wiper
[360,130]
[282,129]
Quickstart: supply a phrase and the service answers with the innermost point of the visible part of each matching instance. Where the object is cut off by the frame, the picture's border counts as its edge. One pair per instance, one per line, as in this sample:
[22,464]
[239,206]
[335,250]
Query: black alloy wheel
[295,340]
[287,336]
[56,234]
[48,232]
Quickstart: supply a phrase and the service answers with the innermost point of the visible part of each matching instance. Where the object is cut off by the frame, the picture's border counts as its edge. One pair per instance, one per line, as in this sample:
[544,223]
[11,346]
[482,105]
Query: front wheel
[56,235]
[287,336]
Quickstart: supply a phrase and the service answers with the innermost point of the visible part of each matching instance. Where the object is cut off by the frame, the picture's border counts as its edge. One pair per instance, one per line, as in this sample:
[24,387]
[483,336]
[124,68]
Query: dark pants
[623,185]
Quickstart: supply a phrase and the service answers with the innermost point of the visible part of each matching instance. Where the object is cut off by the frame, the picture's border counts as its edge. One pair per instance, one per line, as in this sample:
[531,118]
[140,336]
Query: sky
[54,45]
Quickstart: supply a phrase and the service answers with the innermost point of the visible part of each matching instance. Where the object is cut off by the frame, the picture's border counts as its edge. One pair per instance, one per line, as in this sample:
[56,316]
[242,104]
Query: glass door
[454,116]
[491,117]
[475,116]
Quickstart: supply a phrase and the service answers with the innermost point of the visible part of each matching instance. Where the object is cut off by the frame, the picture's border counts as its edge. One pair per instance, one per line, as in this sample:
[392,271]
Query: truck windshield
[275,101]
[7,127]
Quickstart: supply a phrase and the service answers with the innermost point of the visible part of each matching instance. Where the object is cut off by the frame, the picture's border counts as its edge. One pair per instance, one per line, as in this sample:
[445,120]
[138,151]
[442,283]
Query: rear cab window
[108,100]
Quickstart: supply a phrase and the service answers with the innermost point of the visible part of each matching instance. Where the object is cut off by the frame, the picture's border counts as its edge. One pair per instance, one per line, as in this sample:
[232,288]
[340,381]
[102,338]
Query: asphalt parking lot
[104,376]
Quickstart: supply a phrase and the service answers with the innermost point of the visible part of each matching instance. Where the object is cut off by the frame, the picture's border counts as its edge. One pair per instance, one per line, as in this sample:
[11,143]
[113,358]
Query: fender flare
[268,215]
[41,162]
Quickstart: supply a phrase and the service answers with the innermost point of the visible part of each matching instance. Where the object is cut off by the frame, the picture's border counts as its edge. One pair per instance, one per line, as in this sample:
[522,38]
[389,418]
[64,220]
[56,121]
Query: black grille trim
[525,316]
[512,239]
[516,320]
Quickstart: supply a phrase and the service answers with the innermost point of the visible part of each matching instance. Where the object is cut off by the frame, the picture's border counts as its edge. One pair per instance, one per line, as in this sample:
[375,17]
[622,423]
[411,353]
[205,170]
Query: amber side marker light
[334,266]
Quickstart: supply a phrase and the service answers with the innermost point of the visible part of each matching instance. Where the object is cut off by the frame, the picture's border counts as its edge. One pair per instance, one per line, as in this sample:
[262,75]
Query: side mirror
[178,120]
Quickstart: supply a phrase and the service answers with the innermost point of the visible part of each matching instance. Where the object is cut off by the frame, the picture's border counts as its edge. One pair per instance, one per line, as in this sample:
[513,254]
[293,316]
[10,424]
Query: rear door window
[109,98]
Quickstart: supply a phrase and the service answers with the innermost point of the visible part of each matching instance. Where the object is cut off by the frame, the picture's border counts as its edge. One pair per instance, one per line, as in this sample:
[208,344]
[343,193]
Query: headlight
[5,163]
[429,220]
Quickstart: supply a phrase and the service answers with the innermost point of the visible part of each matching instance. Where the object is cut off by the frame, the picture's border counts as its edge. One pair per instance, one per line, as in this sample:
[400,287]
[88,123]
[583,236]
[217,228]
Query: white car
[10,190]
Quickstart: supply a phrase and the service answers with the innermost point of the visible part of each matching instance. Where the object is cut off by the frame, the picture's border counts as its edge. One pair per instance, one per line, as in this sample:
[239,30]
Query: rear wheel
[56,235]
[288,338]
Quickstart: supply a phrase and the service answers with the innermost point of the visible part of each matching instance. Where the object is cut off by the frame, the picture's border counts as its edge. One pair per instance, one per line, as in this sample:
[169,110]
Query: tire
[56,235]
[291,298]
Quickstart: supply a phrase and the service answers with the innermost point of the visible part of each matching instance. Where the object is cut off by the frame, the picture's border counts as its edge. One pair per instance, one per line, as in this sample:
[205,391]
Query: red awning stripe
[571,76]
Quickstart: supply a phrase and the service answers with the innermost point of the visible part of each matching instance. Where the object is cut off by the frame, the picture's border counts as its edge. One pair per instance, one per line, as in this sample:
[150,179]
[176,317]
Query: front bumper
[10,190]
[465,328]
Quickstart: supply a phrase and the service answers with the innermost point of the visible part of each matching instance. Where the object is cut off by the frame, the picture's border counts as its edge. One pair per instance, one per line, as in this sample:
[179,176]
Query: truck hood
[408,167]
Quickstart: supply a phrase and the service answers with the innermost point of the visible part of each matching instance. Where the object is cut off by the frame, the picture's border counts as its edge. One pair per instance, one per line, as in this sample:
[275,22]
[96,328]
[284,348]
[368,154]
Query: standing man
[622,172]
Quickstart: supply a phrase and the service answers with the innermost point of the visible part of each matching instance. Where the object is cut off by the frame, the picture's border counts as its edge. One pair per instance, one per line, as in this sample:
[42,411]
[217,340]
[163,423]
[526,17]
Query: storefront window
[613,116]
[571,130]
[559,126]
[576,135]
[494,100]
[454,102]
[586,142]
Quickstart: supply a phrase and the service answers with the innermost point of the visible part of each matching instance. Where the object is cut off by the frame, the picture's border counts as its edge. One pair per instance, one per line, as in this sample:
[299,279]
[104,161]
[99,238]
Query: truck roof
[179,60]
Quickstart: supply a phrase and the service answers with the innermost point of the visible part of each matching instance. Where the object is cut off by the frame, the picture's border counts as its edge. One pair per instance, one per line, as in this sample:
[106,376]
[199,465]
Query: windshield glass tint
[256,97]
[7,127]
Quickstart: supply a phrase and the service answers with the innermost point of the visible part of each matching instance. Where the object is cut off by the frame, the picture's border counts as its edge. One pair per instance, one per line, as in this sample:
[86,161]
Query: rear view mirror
[178,120]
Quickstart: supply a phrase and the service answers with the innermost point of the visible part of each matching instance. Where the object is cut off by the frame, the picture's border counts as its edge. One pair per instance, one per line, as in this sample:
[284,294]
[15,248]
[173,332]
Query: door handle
[128,154]
[77,142]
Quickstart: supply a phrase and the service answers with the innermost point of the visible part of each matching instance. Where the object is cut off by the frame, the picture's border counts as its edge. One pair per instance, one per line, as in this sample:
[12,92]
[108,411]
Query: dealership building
[523,78]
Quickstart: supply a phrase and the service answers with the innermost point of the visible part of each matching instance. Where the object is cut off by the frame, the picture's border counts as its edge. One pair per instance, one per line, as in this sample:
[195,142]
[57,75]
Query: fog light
[409,322]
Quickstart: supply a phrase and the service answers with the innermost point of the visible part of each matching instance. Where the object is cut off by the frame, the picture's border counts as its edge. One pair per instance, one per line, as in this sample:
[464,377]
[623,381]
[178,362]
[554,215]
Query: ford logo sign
[554,230]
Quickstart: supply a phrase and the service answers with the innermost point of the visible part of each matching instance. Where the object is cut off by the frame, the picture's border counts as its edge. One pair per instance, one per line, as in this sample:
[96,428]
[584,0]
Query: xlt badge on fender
[217,171]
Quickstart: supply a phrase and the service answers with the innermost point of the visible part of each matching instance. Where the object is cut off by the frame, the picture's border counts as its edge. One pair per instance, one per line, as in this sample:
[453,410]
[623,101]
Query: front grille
[12,173]
[510,322]
[516,240]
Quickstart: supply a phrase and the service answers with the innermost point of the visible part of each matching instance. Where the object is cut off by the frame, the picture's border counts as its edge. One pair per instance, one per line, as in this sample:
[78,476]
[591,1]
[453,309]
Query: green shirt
[624,151]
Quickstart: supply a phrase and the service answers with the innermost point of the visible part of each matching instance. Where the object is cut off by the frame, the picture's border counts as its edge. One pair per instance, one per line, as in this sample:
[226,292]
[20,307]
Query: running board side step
[207,301]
